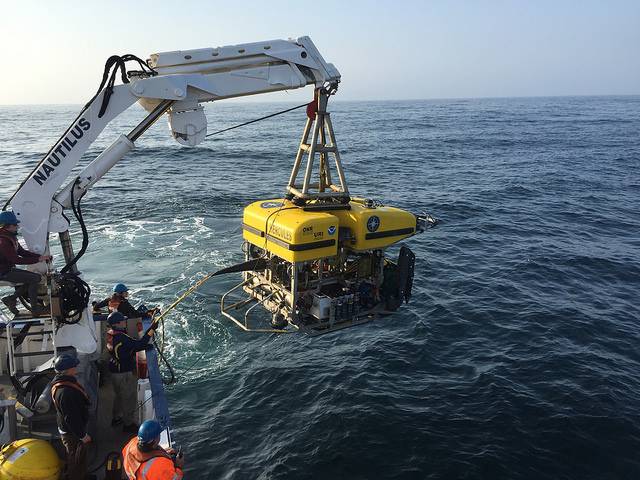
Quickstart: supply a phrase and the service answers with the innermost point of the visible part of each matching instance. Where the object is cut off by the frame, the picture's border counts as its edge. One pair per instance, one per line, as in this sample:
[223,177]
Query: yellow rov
[315,259]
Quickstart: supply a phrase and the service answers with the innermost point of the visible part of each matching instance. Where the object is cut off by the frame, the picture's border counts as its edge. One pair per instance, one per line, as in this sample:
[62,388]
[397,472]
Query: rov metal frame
[261,289]
[244,325]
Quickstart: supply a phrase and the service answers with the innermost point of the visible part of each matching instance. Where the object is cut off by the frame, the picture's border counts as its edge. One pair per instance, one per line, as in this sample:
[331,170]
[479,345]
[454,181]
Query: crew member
[72,414]
[12,254]
[119,302]
[122,364]
[145,459]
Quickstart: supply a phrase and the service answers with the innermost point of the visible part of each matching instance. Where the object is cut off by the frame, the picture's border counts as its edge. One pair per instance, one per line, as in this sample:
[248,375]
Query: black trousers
[76,468]
[30,282]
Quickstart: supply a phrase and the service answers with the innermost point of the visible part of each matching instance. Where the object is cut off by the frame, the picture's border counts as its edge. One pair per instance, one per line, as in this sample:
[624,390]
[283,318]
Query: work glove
[179,461]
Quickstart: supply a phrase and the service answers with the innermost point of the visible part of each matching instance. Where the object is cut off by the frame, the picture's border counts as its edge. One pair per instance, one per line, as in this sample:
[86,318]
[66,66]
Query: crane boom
[184,78]
[176,83]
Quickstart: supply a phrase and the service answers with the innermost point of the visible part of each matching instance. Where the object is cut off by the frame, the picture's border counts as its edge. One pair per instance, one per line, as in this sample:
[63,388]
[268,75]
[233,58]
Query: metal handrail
[10,346]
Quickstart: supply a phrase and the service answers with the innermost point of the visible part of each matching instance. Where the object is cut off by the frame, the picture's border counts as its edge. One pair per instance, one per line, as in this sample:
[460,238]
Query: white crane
[176,83]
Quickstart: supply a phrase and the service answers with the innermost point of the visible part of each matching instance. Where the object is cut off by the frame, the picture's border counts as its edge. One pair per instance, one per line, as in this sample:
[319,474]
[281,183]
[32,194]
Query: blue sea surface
[518,356]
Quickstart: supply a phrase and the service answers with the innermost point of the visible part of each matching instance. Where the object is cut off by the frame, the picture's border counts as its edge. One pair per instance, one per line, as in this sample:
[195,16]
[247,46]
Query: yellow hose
[198,284]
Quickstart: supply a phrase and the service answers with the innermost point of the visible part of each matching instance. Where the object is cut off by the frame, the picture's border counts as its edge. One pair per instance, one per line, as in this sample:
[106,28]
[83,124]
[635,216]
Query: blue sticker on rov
[271,204]
[373,223]
[331,230]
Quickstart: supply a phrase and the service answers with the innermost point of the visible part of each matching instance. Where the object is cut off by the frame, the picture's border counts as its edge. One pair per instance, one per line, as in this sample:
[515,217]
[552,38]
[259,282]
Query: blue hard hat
[65,362]
[120,288]
[149,431]
[8,218]
[115,317]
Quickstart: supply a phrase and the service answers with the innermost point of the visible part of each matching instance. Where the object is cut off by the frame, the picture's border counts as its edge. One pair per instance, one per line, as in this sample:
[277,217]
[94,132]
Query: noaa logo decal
[373,223]
[331,230]
[270,204]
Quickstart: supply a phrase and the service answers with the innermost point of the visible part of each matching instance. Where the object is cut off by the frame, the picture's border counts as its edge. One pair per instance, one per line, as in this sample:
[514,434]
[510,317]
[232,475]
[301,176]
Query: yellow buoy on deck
[29,459]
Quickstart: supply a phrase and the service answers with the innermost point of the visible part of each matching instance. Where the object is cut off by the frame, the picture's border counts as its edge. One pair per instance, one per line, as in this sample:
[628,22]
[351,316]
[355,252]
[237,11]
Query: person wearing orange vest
[122,365]
[145,459]
[119,302]
[72,415]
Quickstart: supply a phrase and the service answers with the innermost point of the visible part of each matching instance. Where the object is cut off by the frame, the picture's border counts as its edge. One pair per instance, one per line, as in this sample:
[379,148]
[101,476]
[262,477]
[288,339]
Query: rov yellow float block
[289,232]
[376,227]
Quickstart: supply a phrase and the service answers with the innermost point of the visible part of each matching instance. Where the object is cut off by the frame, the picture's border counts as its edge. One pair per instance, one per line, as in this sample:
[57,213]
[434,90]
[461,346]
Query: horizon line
[339,100]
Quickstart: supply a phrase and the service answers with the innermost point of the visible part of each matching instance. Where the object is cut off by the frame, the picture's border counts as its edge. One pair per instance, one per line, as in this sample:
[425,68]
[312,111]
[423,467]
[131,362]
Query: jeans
[76,467]
[30,281]
[125,386]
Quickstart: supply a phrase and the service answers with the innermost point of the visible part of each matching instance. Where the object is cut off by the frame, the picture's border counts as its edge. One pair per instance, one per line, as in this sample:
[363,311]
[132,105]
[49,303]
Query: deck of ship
[32,353]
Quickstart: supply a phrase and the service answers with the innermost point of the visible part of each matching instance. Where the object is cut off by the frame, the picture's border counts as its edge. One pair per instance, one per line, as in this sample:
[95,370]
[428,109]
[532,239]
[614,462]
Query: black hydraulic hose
[114,59]
[77,212]
[75,294]
[74,291]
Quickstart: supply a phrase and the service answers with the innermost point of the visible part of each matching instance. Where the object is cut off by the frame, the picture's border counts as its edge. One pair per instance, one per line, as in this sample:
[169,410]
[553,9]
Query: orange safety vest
[114,302]
[141,360]
[109,337]
[154,465]
[66,383]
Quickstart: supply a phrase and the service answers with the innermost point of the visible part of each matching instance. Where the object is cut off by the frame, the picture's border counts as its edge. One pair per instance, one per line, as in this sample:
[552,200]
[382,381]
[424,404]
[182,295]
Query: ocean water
[518,356]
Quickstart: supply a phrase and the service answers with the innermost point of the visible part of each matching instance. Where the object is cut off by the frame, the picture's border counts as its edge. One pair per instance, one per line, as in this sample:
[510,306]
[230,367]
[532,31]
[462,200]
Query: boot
[12,304]
[40,311]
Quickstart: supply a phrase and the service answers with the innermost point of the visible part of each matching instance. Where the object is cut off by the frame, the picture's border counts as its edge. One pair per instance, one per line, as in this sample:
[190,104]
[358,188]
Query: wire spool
[29,459]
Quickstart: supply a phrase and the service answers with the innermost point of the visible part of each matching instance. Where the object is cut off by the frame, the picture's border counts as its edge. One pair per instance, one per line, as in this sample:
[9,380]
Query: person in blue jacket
[122,366]
[119,301]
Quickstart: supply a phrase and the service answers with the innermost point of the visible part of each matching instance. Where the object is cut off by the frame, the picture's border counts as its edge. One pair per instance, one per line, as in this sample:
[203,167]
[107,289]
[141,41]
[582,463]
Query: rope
[155,322]
[164,360]
[198,284]
[176,379]
[258,119]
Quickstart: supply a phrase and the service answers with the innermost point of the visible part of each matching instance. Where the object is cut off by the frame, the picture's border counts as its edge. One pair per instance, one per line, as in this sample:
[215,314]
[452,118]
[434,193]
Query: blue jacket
[123,351]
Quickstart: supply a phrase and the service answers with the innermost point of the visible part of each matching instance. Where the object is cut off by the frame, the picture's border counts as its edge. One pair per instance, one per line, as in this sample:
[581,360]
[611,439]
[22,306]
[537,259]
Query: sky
[53,52]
